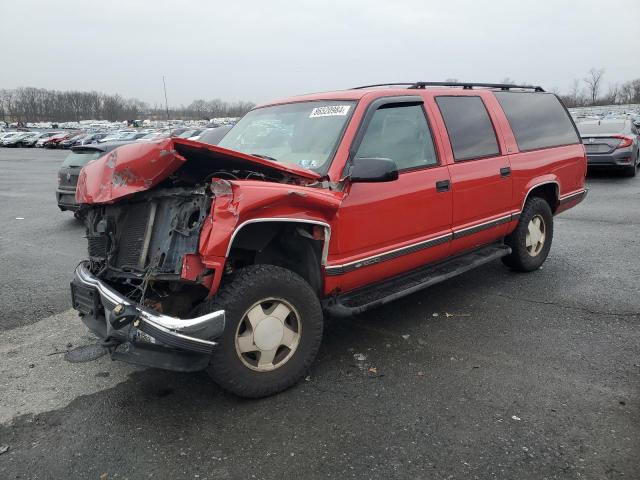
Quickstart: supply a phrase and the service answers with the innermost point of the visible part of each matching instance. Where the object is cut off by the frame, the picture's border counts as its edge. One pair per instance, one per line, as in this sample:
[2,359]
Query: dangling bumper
[134,329]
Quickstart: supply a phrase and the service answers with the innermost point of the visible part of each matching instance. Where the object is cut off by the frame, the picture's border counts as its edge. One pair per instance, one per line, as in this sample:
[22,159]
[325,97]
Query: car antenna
[166,104]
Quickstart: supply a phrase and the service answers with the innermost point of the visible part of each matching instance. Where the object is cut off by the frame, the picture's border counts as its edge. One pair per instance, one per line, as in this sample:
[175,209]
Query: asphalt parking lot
[490,375]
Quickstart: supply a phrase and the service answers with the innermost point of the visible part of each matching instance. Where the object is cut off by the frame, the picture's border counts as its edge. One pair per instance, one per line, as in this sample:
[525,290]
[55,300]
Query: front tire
[530,242]
[273,329]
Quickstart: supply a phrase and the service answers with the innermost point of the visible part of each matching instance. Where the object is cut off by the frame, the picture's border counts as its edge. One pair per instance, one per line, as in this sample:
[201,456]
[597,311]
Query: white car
[8,137]
[16,141]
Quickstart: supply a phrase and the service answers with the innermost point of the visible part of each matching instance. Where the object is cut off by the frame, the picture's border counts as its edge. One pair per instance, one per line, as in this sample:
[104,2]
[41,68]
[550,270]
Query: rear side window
[469,127]
[538,120]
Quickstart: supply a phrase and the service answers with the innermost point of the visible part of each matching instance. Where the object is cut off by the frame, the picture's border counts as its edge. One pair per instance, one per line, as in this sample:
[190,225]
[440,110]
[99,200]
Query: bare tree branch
[593,81]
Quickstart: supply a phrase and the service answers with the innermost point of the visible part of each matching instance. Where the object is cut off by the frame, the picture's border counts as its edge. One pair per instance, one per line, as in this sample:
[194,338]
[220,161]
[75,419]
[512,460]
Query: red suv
[226,257]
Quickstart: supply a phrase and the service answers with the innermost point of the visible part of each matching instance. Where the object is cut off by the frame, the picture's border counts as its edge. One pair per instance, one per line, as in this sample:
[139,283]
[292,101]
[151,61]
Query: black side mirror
[370,170]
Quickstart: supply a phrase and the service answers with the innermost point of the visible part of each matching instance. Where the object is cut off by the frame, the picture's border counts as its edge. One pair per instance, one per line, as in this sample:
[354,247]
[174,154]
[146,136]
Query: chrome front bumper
[92,297]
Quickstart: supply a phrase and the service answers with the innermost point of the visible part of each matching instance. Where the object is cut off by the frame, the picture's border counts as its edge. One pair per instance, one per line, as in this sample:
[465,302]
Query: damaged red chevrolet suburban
[227,257]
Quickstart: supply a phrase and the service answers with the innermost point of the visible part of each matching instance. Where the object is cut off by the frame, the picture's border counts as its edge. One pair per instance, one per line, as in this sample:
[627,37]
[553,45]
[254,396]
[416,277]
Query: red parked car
[226,257]
[55,140]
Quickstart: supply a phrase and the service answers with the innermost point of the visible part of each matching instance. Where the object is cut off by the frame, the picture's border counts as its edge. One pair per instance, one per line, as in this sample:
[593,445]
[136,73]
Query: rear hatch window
[601,128]
[80,159]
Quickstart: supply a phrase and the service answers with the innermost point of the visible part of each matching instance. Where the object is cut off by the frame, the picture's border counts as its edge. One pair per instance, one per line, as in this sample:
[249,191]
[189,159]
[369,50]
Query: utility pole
[166,103]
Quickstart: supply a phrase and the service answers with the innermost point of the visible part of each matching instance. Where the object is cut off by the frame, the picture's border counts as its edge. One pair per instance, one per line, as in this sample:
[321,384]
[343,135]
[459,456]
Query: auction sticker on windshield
[330,111]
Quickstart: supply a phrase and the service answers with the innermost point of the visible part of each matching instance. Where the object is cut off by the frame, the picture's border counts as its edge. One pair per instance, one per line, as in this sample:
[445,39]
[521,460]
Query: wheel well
[292,245]
[548,192]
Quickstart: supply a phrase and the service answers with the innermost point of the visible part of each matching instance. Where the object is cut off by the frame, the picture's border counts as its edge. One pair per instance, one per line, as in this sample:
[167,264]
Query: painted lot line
[35,377]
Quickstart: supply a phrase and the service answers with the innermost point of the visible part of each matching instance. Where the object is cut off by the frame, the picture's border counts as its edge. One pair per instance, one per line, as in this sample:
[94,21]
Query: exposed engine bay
[140,224]
[138,245]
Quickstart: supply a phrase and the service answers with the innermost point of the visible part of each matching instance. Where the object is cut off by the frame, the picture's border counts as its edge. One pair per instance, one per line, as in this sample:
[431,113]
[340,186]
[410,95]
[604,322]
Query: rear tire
[530,242]
[631,170]
[255,299]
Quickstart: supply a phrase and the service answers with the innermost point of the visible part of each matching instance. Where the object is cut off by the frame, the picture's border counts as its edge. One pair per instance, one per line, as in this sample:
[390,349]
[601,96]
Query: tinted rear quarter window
[469,127]
[538,120]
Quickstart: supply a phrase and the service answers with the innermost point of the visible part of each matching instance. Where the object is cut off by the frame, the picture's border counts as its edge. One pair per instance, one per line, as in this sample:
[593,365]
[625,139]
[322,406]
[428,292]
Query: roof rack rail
[398,84]
[464,85]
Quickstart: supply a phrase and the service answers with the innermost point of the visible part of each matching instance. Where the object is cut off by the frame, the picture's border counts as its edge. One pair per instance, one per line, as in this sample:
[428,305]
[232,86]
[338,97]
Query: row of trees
[214,109]
[589,91]
[41,105]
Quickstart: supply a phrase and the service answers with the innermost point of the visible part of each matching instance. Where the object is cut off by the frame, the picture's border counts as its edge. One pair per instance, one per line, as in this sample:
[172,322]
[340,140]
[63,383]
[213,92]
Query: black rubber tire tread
[519,259]
[247,286]
[631,170]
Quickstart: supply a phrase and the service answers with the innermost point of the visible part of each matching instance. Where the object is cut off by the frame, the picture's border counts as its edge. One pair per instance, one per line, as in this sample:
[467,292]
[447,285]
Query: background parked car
[611,144]
[155,135]
[191,133]
[91,138]
[122,136]
[54,142]
[31,141]
[42,140]
[213,135]
[19,142]
[71,141]
[10,137]
[70,170]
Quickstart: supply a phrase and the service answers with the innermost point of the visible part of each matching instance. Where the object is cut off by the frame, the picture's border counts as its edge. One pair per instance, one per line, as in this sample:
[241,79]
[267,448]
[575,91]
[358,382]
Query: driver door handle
[443,185]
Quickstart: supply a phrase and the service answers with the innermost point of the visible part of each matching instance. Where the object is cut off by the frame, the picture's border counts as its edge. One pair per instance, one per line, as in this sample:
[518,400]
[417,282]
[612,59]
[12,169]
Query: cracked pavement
[492,374]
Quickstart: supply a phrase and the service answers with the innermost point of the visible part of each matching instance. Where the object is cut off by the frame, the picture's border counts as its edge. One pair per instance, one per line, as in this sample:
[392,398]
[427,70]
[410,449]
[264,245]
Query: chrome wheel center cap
[268,334]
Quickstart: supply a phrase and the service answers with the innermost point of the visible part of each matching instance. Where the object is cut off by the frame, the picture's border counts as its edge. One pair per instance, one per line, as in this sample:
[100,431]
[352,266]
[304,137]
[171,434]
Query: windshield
[80,159]
[304,133]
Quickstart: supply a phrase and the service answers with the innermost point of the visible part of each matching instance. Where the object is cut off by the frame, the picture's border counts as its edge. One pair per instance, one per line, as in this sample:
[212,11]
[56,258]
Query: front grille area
[97,246]
[131,233]
[149,233]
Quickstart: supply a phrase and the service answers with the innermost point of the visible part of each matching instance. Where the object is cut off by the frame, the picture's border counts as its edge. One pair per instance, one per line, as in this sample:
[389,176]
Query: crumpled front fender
[255,201]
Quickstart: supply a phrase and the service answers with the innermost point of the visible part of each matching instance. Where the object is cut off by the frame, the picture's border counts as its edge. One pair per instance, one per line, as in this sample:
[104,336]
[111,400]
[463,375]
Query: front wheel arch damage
[295,246]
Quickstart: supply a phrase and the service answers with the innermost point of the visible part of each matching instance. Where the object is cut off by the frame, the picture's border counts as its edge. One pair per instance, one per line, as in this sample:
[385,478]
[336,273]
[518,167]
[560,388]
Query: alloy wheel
[536,234]
[268,334]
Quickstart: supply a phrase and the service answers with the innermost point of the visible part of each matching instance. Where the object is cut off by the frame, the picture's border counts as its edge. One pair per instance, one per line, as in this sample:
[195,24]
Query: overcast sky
[260,50]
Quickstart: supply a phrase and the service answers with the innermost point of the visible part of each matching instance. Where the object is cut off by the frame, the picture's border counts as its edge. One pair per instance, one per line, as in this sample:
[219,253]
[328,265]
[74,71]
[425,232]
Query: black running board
[357,301]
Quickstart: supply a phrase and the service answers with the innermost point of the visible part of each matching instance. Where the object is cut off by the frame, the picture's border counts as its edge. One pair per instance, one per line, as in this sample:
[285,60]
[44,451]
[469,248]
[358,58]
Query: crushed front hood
[139,166]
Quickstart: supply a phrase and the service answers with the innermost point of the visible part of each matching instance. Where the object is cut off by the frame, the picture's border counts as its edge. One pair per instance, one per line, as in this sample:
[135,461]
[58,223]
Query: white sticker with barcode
[330,111]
